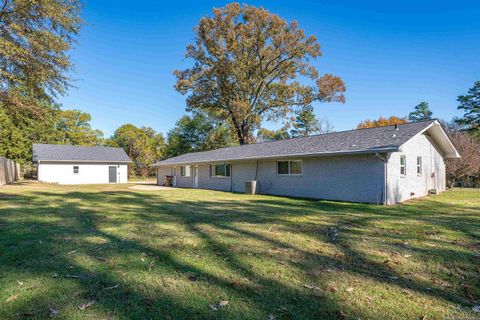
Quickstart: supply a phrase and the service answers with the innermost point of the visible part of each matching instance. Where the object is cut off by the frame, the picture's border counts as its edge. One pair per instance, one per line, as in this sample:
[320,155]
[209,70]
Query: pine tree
[305,123]
[470,103]
[422,112]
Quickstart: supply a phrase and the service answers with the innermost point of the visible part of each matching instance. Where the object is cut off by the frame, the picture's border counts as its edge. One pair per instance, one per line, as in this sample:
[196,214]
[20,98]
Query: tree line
[249,67]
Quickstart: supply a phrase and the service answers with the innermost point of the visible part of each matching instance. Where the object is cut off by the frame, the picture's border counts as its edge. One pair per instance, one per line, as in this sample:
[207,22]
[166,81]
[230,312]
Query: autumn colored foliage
[381,122]
[250,65]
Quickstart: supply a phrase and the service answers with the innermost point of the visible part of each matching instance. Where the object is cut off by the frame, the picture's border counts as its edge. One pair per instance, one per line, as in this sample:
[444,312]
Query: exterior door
[112,174]
[195,176]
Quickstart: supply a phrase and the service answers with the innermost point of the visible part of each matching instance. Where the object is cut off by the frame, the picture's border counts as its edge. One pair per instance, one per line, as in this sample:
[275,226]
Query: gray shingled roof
[345,142]
[61,152]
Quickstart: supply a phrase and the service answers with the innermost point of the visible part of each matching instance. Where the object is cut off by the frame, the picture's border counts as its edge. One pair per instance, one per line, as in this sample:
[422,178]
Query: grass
[170,254]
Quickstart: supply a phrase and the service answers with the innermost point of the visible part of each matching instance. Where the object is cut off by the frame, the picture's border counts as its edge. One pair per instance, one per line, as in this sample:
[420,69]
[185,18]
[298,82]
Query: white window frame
[185,171]
[419,166]
[212,170]
[403,166]
[78,169]
[289,168]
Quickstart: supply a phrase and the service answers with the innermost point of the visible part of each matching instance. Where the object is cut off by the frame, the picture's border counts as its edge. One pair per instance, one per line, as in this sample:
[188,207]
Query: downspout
[385,180]
[231,178]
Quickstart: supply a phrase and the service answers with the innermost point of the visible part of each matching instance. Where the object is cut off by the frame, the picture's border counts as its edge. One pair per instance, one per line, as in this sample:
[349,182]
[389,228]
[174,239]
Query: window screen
[185,171]
[290,167]
[283,167]
[419,165]
[403,165]
[220,170]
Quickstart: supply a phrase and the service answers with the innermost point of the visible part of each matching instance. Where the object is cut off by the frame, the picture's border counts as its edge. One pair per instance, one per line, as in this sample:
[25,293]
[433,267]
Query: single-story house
[384,165]
[66,164]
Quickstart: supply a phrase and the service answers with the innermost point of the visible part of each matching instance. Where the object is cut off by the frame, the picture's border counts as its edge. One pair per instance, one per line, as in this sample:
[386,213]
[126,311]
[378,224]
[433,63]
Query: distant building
[66,164]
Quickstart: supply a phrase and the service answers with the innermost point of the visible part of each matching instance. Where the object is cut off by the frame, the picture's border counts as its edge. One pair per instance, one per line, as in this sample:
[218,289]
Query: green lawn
[171,254]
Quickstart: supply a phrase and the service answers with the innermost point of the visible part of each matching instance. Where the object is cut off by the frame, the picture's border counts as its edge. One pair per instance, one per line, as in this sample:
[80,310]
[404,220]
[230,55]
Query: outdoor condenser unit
[251,187]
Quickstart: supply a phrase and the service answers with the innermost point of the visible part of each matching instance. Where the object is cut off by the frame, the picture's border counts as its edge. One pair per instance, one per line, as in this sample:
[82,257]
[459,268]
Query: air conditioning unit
[251,187]
[433,191]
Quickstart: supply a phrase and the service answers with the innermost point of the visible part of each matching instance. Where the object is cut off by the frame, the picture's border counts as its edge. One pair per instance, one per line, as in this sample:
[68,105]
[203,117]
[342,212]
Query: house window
[403,165]
[419,165]
[75,170]
[185,171]
[220,170]
[290,167]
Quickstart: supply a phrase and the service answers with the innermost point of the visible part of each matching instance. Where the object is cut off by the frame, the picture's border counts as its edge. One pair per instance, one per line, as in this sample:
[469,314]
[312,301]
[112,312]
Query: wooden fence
[9,171]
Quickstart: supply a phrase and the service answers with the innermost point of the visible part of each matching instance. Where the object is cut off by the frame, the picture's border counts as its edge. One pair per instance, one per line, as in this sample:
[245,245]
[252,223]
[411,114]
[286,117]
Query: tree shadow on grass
[81,215]
[127,301]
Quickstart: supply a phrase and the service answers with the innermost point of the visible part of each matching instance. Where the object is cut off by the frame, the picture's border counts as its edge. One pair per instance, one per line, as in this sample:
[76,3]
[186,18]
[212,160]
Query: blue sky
[391,55]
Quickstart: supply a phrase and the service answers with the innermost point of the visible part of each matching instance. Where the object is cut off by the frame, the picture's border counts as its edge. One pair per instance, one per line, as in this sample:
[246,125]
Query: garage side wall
[89,173]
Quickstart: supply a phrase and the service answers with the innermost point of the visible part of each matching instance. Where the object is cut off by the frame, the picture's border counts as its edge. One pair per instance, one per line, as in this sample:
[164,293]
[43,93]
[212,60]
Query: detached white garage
[66,164]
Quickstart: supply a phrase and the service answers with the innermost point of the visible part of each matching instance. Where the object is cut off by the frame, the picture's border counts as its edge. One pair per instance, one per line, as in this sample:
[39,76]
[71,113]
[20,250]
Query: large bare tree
[469,164]
[251,65]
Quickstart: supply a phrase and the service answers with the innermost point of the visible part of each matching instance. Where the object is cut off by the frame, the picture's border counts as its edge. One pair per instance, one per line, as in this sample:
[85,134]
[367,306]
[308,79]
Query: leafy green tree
[197,132]
[265,135]
[144,145]
[35,37]
[422,112]
[74,128]
[251,65]
[12,140]
[470,104]
[19,128]
[305,123]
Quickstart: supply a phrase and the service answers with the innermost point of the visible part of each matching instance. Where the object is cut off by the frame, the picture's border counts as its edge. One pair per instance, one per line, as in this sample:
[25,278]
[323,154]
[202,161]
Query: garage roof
[62,152]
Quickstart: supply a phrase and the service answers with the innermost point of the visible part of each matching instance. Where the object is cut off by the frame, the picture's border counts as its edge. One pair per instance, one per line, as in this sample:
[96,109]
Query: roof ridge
[75,145]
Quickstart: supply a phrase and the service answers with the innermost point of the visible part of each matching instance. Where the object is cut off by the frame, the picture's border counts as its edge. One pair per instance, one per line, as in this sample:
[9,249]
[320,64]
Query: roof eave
[321,154]
[450,152]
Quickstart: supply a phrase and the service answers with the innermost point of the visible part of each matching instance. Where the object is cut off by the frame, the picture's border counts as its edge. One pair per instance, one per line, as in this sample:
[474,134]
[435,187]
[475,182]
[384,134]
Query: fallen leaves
[112,287]
[407,292]
[282,310]
[52,312]
[217,306]
[332,288]
[86,305]
[309,286]
[11,298]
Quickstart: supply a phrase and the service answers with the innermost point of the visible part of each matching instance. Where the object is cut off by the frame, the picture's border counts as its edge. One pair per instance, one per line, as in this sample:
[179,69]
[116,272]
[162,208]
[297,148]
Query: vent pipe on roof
[396,127]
